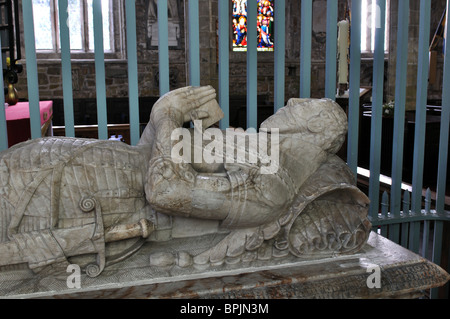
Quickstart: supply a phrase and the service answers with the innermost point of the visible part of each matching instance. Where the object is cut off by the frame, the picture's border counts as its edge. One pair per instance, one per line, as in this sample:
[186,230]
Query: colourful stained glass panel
[265,24]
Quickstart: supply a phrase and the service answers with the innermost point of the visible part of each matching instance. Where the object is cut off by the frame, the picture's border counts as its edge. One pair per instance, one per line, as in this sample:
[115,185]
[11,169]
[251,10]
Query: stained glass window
[264,25]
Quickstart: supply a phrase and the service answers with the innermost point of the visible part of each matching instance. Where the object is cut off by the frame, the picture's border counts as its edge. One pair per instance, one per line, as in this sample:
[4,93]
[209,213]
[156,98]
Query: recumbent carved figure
[92,202]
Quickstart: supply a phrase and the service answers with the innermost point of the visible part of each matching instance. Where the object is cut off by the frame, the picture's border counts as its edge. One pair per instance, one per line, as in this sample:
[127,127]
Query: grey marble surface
[402,274]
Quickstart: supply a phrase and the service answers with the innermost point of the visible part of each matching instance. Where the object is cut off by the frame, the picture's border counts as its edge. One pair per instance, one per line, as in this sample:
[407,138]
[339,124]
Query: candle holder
[11,97]
[10,78]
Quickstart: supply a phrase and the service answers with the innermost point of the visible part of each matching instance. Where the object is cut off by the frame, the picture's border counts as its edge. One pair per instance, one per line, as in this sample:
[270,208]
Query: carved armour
[64,184]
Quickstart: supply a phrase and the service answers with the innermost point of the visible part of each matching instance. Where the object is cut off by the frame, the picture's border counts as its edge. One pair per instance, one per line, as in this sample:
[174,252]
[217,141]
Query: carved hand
[174,109]
[183,104]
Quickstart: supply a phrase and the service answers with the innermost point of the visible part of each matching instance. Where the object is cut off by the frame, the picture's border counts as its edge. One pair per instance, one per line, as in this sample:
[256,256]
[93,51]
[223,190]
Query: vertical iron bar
[163,47]
[437,250]
[194,40]
[394,233]
[66,65]
[404,236]
[10,21]
[426,225]
[414,237]
[252,64]
[133,86]
[224,63]
[445,120]
[305,49]
[399,109]
[399,113]
[385,213]
[4,36]
[100,70]
[3,125]
[331,49]
[32,73]
[414,232]
[354,86]
[425,238]
[280,48]
[377,108]
[17,25]
[405,226]
[421,105]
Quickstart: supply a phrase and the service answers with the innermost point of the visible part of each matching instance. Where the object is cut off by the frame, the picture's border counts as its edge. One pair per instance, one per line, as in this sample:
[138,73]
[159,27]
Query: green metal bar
[3,125]
[354,86]
[280,48]
[305,49]
[224,63]
[100,70]
[32,73]
[445,120]
[163,47]
[405,225]
[405,218]
[194,40]
[133,86]
[437,250]
[377,105]
[404,236]
[66,66]
[425,238]
[400,101]
[252,64]
[426,227]
[385,213]
[421,105]
[331,49]
[394,233]
[414,237]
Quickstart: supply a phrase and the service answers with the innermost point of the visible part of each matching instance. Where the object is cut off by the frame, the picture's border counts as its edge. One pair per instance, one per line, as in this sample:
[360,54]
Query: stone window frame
[118,39]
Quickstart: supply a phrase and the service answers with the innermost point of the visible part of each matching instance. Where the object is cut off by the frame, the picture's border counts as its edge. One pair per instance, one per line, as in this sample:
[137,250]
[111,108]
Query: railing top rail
[406,217]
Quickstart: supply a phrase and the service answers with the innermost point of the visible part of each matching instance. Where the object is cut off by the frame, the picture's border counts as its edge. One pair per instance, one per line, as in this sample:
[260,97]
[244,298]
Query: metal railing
[403,225]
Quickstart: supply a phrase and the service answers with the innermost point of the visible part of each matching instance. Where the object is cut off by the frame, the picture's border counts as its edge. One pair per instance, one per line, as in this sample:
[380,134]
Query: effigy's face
[291,119]
[318,122]
[321,122]
[280,120]
[307,116]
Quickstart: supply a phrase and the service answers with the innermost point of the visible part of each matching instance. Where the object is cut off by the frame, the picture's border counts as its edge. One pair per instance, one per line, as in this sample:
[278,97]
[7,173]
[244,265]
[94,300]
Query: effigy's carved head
[323,122]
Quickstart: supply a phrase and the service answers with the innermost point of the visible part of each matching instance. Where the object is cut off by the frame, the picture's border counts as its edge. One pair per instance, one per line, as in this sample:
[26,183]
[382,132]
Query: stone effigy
[95,203]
